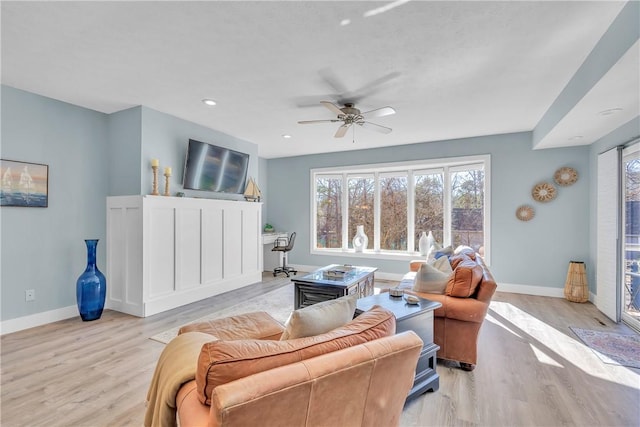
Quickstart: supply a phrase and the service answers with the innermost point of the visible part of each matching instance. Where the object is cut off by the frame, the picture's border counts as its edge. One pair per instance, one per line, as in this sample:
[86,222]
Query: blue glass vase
[91,287]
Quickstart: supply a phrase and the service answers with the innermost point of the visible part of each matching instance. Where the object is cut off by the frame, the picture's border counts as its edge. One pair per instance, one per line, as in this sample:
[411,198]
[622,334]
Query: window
[360,207]
[328,212]
[393,211]
[429,204]
[396,202]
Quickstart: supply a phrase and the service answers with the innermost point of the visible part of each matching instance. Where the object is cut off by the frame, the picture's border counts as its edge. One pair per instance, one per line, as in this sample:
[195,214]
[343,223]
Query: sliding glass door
[631,236]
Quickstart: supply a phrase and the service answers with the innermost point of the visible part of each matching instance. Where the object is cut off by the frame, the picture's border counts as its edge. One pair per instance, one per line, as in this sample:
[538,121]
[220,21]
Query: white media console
[164,252]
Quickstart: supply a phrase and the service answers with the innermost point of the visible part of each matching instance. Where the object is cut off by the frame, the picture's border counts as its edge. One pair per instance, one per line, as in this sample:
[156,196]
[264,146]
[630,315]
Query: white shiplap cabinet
[164,252]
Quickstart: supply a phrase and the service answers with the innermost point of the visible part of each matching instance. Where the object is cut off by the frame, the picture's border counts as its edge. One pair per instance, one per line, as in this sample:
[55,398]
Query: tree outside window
[361,199]
[467,208]
[393,212]
[429,205]
[328,212]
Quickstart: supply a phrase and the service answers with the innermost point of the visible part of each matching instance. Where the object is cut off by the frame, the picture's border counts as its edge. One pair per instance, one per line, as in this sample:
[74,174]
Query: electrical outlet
[30,295]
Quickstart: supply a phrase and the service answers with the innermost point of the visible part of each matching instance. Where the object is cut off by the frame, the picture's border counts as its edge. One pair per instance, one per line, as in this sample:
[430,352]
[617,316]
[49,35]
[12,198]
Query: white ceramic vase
[360,240]
[423,244]
[430,240]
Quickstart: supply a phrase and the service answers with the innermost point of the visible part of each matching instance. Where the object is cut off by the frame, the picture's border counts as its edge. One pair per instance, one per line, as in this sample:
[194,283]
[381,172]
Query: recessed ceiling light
[610,111]
[345,22]
[575,138]
[209,102]
[286,136]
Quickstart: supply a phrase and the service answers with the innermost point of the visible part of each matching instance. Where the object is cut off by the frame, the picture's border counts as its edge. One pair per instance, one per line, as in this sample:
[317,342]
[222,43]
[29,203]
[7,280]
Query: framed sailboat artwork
[24,184]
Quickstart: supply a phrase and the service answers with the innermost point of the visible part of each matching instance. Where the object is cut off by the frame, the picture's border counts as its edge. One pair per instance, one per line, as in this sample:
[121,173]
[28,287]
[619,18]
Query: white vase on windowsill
[360,240]
[423,244]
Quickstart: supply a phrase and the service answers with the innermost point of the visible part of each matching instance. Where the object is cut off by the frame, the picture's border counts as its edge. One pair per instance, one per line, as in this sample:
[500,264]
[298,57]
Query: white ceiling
[450,69]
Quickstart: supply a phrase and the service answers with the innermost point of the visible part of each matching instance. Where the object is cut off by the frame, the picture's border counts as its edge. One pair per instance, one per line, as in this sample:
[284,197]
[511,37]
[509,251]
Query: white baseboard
[38,319]
[541,291]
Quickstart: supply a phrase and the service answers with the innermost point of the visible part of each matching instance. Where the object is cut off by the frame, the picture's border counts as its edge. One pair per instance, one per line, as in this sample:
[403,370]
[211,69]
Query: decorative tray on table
[338,272]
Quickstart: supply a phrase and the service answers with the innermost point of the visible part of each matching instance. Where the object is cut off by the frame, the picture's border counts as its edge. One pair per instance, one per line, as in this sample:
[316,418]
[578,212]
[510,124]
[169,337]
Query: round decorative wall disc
[565,176]
[525,213]
[543,192]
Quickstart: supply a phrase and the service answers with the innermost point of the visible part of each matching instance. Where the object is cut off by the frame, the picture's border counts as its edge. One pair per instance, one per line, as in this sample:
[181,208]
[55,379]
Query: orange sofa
[355,375]
[464,306]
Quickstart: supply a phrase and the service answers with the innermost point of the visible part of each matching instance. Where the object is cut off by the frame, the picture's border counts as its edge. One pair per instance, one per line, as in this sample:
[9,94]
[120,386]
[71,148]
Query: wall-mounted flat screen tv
[212,168]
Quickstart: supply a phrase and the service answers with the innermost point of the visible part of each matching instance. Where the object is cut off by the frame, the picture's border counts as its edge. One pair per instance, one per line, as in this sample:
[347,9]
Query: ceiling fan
[350,115]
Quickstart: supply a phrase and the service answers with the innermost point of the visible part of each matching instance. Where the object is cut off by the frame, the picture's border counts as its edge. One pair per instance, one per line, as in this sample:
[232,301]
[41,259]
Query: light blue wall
[125,134]
[535,253]
[165,137]
[90,156]
[43,248]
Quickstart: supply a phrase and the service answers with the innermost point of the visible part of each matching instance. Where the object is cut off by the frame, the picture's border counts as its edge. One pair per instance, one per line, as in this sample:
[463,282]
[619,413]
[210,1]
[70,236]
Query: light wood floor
[532,371]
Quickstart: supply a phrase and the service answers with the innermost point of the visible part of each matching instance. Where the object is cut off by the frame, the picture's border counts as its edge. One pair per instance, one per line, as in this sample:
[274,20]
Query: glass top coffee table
[333,281]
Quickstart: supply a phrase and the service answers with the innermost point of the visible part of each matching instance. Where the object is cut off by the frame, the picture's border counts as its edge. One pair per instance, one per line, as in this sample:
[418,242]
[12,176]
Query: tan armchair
[457,323]
[356,375]
[363,385]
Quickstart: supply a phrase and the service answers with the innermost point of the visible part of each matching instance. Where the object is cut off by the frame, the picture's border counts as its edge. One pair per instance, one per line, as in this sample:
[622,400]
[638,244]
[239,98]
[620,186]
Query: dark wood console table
[419,319]
[318,286]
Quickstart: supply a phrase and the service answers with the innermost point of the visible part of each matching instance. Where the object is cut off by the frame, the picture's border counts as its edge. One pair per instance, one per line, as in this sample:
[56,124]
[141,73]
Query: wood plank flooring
[532,371]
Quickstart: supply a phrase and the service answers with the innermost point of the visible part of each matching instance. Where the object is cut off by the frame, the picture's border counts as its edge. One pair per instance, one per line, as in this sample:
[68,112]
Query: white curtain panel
[608,233]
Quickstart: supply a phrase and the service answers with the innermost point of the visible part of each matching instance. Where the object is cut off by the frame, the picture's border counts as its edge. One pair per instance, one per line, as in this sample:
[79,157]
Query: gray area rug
[612,348]
[278,303]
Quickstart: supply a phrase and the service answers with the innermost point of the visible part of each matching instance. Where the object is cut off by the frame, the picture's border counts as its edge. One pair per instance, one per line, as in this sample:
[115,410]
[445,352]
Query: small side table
[419,319]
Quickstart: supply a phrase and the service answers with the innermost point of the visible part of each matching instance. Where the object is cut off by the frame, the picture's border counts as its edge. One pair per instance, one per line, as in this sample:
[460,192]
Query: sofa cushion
[255,325]
[319,318]
[433,278]
[223,361]
[465,278]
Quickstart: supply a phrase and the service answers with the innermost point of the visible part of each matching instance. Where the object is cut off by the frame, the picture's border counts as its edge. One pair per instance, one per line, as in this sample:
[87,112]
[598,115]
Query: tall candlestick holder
[166,183]
[155,181]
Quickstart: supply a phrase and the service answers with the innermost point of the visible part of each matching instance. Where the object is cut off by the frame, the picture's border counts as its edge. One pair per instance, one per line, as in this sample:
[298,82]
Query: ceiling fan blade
[375,127]
[330,78]
[379,112]
[306,122]
[332,107]
[371,88]
[342,130]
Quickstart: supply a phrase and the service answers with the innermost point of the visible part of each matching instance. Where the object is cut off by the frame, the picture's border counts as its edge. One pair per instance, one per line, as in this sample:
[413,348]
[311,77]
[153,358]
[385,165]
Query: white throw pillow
[430,280]
[319,318]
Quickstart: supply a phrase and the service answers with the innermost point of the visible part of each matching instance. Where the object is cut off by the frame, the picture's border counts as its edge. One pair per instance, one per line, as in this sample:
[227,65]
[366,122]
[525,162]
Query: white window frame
[446,165]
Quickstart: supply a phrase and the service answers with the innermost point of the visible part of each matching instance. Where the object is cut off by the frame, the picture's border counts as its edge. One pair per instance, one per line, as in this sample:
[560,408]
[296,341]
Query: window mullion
[345,212]
[376,212]
[411,235]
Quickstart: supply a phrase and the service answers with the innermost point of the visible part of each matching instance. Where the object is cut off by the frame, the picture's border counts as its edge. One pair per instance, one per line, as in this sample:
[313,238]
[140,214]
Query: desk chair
[284,245]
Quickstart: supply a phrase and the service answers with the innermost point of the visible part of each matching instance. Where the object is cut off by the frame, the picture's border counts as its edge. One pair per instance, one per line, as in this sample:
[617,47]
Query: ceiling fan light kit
[350,115]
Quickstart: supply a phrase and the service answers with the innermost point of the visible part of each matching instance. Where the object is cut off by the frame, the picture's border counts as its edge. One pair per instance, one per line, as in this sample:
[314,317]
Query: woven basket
[576,288]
